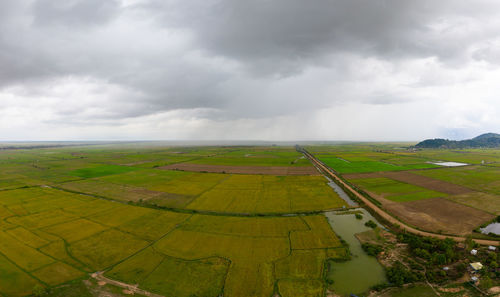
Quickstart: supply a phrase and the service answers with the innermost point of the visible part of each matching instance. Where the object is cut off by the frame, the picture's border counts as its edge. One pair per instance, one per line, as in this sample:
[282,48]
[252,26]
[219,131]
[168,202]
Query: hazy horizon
[219,70]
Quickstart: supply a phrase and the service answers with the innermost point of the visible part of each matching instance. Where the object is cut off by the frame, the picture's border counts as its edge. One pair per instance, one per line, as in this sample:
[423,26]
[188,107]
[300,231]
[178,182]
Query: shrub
[399,275]
[372,249]
[371,224]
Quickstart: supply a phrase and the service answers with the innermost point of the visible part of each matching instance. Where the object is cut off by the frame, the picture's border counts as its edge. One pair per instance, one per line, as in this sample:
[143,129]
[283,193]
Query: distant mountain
[483,140]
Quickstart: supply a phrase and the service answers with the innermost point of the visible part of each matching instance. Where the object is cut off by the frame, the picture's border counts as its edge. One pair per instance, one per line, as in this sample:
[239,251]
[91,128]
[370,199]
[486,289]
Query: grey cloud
[74,12]
[285,36]
[238,59]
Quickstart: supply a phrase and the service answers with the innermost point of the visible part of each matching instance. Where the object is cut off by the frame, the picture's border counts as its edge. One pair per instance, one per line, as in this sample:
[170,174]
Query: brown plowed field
[396,221]
[270,170]
[417,180]
[438,215]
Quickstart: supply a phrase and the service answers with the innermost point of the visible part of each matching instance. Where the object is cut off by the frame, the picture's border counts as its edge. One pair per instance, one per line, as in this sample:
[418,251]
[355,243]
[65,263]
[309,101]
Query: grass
[299,288]
[360,165]
[75,230]
[255,157]
[268,194]
[203,277]
[251,257]
[57,273]
[245,226]
[395,190]
[480,178]
[106,248]
[61,244]
[110,190]
[320,235]
[99,171]
[301,264]
[13,281]
[483,201]
[25,257]
[153,225]
[59,250]
[27,237]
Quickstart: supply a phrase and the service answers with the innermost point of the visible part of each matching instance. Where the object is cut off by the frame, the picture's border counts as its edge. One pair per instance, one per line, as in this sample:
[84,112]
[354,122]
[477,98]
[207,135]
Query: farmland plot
[64,213]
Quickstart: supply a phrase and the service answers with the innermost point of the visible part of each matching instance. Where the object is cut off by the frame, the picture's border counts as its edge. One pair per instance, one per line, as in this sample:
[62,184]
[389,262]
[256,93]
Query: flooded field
[362,271]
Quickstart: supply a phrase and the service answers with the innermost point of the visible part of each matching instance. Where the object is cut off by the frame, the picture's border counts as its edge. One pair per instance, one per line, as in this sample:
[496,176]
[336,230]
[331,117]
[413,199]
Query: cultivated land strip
[382,213]
[266,170]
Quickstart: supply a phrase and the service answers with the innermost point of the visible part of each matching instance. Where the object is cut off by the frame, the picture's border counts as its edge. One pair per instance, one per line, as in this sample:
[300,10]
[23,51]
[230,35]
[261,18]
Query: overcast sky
[249,69]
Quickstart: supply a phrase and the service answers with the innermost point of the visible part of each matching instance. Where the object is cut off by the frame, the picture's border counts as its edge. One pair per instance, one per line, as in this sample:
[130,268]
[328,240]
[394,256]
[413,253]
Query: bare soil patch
[438,215]
[415,179]
[427,182]
[268,170]
[451,290]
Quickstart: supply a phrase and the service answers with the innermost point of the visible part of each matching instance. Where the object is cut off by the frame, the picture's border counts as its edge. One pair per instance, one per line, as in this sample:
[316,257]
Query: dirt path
[389,218]
[131,288]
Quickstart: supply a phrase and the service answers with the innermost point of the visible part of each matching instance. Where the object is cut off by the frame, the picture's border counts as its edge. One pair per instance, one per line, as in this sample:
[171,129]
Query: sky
[370,70]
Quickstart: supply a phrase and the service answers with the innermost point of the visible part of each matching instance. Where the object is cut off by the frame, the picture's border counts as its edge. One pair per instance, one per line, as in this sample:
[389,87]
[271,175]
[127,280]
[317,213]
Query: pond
[491,228]
[449,164]
[359,274]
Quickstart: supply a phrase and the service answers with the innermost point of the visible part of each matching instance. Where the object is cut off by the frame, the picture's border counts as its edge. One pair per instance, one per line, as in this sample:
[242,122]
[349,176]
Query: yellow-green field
[69,212]
[203,255]
[230,193]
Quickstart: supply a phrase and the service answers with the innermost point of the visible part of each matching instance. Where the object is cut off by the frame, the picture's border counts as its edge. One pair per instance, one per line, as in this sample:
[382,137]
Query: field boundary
[382,213]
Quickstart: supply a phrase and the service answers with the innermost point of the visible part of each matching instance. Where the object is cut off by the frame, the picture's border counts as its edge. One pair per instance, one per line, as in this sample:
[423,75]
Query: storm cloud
[267,70]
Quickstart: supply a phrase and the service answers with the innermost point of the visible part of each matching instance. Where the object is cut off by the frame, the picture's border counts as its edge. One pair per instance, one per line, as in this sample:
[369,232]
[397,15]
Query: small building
[492,248]
[474,279]
[473,252]
[476,266]
[446,268]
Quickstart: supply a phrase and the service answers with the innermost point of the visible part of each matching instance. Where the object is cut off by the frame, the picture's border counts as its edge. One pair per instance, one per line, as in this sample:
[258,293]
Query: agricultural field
[206,221]
[348,164]
[232,193]
[205,255]
[478,178]
[422,194]
[256,157]
[394,190]
[68,212]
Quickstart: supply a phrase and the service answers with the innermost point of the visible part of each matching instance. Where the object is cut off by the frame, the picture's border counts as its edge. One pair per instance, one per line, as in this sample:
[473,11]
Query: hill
[483,140]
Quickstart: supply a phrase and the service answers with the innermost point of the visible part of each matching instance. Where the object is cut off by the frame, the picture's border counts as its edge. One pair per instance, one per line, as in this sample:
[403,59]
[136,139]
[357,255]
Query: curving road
[389,218]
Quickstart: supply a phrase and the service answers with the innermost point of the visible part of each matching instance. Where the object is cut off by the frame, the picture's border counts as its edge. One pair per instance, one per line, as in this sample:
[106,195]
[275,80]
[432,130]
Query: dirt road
[386,216]
[132,289]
